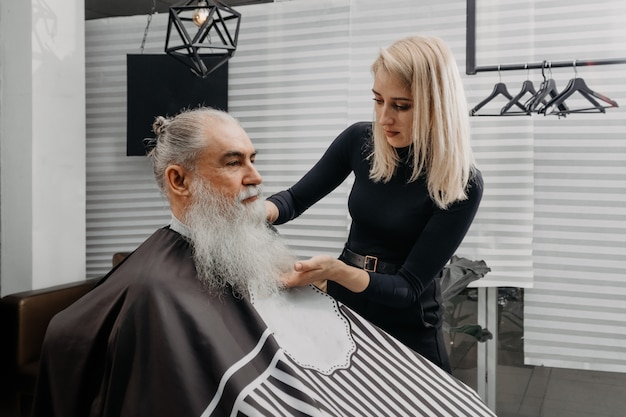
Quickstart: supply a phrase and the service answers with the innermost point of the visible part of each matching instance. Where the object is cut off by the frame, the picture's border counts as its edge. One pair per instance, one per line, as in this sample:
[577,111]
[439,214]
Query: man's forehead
[229,138]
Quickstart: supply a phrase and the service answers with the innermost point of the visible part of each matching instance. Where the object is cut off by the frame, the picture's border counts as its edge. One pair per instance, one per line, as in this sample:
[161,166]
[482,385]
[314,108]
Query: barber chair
[24,318]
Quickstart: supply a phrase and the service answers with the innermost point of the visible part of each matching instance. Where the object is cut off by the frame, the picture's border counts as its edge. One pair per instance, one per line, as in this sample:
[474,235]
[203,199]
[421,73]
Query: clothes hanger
[578,85]
[546,89]
[527,88]
[498,89]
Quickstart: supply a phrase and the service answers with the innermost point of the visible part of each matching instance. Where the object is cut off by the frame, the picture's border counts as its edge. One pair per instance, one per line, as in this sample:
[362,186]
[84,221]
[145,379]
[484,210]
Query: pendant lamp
[202,34]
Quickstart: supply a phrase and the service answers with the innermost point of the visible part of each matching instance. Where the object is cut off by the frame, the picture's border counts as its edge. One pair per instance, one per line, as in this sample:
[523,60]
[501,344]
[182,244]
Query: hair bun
[160,125]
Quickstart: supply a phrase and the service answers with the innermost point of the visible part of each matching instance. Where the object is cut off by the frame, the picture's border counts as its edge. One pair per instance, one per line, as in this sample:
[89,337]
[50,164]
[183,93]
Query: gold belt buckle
[368,260]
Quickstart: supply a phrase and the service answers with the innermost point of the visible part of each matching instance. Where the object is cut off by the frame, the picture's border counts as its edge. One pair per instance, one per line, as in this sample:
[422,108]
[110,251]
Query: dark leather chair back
[24,318]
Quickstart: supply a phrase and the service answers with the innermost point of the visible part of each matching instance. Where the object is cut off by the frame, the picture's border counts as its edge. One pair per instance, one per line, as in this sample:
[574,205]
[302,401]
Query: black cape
[150,341]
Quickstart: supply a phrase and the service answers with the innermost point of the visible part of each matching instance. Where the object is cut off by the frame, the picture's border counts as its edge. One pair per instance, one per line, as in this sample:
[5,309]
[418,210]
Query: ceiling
[96,9]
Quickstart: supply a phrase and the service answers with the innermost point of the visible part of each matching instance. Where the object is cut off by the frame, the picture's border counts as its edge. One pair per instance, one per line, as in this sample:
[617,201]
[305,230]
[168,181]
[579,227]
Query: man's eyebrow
[237,154]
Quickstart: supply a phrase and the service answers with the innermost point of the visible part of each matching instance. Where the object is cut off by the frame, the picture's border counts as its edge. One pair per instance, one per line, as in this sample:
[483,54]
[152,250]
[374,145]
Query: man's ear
[178,180]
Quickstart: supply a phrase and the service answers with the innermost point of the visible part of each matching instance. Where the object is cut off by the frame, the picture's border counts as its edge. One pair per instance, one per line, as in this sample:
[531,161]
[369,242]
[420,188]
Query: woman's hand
[271,212]
[324,267]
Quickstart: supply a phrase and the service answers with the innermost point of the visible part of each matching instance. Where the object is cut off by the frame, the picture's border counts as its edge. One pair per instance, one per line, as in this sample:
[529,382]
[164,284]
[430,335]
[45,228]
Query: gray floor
[529,391]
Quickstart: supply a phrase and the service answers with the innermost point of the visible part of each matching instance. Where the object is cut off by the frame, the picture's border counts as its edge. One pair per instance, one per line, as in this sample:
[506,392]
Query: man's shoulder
[163,260]
[161,263]
[163,248]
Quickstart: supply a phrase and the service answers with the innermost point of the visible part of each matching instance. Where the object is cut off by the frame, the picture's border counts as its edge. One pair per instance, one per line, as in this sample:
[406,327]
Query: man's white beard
[233,244]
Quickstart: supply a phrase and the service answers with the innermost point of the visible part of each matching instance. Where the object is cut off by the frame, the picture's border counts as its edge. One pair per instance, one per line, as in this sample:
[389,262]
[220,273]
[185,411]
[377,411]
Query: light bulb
[200,15]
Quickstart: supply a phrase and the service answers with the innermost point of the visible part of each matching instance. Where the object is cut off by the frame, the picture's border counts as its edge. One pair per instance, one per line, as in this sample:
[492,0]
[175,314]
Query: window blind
[553,216]
[574,316]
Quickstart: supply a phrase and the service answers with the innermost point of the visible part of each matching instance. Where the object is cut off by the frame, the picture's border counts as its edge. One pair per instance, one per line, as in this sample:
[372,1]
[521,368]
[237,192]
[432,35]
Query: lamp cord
[145,32]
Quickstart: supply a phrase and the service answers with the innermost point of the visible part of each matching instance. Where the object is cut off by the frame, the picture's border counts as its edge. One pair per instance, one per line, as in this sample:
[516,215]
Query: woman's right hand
[272,212]
[325,267]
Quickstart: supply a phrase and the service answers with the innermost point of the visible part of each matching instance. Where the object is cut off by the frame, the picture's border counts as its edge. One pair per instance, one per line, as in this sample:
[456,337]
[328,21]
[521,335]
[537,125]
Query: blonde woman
[415,194]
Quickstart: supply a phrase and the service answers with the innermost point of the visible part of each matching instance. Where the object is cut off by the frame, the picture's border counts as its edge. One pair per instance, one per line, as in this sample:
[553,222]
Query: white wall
[42,137]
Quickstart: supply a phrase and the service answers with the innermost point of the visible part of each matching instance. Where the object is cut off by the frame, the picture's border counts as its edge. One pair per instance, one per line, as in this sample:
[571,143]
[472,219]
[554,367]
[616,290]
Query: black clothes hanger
[527,88]
[498,89]
[577,85]
[546,89]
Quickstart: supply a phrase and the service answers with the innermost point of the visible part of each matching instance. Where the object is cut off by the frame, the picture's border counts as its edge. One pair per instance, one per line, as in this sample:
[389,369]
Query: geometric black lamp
[206,30]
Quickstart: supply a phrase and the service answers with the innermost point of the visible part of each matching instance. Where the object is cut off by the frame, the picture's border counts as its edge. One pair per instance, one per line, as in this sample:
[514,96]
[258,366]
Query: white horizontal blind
[553,212]
[574,177]
[575,317]
[124,205]
[503,146]
[288,86]
[375,24]
[300,75]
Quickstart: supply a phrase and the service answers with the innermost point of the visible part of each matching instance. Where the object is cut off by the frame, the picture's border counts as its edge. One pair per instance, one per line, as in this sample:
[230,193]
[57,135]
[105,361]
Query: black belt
[368,263]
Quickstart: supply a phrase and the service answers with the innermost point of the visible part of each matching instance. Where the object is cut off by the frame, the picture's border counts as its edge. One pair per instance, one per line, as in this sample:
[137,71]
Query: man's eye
[233,163]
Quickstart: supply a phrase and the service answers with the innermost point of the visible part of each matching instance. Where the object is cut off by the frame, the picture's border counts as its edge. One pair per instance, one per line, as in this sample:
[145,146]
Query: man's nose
[252,176]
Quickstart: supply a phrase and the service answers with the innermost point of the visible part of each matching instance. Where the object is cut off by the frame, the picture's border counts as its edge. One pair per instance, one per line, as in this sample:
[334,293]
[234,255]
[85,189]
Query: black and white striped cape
[381,377]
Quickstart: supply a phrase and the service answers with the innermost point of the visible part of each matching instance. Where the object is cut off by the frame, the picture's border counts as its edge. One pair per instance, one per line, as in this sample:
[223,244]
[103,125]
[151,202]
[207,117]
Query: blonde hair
[441,137]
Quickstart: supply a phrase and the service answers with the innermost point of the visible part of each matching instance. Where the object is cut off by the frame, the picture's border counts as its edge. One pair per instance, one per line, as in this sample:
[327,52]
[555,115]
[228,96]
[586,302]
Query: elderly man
[195,322]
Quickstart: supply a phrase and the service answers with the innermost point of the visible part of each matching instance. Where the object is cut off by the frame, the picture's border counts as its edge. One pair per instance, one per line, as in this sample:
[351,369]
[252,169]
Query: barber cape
[149,340]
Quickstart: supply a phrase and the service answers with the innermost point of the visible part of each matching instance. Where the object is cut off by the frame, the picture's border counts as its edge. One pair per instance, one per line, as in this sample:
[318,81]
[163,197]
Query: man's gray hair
[180,139]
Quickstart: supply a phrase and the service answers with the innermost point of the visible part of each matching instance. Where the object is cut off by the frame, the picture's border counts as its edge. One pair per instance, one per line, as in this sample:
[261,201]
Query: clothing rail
[547,65]
[470,53]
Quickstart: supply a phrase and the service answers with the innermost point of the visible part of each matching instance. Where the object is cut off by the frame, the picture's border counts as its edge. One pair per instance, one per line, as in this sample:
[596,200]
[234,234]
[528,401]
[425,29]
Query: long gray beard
[232,244]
